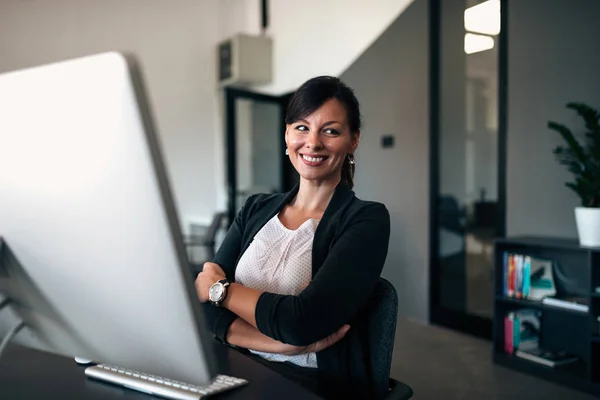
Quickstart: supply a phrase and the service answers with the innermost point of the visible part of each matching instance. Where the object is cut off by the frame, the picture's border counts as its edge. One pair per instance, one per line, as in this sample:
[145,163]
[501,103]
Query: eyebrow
[325,124]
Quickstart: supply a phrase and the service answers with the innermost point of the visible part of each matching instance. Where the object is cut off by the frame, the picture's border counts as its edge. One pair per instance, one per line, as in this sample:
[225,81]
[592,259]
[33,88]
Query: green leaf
[570,139]
[590,116]
[581,159]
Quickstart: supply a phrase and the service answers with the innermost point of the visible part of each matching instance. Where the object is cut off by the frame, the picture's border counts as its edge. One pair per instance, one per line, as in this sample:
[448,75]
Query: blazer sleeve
[219,319]
[338,290]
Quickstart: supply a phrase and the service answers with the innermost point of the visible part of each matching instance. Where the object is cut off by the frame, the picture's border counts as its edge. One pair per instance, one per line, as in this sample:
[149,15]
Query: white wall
[237,16]
[391,83]
[175,43]
[553,58]
[312,37]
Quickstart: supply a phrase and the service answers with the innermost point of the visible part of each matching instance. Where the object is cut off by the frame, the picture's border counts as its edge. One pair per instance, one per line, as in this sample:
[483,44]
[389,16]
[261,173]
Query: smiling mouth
[313,160]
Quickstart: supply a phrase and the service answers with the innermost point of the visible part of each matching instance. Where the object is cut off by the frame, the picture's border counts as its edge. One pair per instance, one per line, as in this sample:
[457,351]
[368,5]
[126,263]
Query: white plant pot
[588,226]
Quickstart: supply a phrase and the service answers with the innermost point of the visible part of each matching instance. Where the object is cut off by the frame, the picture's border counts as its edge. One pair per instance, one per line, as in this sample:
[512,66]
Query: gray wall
[554,58]
[391,82]
[452,135]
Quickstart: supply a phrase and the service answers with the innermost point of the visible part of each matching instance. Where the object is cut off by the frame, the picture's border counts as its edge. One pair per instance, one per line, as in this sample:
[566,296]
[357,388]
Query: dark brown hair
[312,95]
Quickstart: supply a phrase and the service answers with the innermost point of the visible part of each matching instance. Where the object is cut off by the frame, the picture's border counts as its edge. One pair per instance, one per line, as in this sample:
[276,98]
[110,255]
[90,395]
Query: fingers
[331,339]
[339,335]
[345,328]
[208,266]
[212,268]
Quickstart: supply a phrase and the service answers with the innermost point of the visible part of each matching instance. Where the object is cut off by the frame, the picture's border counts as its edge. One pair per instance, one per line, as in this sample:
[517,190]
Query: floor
[438,363]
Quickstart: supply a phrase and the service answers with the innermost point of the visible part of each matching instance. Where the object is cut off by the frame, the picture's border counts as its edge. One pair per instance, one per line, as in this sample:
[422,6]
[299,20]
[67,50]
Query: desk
[32,374]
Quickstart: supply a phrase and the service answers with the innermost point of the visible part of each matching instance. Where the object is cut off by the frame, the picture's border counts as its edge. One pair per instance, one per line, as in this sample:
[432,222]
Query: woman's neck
[314,196]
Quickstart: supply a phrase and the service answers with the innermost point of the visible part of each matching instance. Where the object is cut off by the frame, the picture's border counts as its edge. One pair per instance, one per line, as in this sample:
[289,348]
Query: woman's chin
[319,178]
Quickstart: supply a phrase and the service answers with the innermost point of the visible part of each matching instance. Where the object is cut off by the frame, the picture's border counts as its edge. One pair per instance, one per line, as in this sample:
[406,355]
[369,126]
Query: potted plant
[581,156]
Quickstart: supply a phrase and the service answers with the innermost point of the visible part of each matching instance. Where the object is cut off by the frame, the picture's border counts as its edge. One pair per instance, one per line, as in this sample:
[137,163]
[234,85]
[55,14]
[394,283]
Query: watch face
[216,291]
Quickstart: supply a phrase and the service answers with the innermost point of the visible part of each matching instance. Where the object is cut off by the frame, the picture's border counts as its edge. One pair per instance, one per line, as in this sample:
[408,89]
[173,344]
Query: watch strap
[226,282]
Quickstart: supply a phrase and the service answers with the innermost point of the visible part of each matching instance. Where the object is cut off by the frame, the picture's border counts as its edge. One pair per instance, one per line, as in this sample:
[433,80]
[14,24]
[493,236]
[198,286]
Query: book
[576,303]
[511,275]
[521,330]
[527,277]
[504,272]
[546,357]
[527,273]
[519,276]
[508,334]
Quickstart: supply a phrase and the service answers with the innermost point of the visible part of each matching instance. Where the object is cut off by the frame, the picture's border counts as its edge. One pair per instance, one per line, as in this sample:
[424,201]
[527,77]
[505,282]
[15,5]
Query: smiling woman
[297,269]
[323,130]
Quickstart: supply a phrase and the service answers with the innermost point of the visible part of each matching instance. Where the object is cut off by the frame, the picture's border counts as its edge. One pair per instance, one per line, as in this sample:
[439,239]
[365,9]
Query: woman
[293,275]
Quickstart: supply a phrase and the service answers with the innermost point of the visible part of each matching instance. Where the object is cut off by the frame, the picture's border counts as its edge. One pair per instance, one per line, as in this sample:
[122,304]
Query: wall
[312,37]
[391,83]
[176,48]
[452,124]
[553,58]
[239,16]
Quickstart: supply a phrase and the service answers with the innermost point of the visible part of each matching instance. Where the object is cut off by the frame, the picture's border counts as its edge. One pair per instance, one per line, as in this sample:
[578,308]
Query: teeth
[313,159]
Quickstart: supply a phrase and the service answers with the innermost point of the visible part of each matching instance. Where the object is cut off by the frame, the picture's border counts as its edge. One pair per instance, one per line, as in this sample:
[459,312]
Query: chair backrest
[211,234]
[383,314]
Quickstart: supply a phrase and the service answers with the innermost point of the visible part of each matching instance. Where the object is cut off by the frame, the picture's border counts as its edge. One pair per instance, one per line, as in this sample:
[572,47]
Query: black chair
[206,241]
[383,314]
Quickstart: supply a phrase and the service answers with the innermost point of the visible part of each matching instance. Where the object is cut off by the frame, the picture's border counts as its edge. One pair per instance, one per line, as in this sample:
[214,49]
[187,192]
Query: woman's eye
[302,128]
[331,131]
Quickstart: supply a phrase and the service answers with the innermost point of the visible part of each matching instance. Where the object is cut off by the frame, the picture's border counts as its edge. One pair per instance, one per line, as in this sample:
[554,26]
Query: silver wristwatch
[218,292]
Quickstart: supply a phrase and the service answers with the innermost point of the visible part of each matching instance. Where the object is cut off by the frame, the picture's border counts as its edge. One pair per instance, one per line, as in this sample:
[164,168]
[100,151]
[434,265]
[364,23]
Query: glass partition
[469,215]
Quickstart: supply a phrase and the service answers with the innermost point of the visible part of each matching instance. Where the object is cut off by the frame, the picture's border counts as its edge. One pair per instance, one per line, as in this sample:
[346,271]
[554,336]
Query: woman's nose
[313,140]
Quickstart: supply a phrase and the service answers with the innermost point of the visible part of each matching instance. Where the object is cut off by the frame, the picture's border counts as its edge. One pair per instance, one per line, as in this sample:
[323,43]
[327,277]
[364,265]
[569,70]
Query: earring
[287,152]
[351,159]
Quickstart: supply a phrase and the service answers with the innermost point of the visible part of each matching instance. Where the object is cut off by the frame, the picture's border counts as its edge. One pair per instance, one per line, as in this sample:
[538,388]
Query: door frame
[438,314]
[231,95]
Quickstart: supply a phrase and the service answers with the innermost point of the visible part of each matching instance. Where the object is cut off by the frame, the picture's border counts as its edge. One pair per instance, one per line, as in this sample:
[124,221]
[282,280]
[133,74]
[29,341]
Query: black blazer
[349,250]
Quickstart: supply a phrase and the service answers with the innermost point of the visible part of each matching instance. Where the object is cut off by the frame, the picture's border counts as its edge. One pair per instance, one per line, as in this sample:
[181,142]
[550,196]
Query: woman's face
[319,143]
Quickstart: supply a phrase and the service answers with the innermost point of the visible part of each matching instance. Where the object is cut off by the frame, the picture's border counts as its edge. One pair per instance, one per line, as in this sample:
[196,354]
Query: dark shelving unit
[573,331]
[521,303]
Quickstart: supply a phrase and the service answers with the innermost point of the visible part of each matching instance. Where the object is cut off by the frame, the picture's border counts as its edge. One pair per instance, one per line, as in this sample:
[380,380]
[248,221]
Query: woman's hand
[210,274]
[322,344]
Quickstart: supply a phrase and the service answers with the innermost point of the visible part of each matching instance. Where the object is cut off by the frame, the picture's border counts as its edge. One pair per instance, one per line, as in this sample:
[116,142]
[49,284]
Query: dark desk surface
[32,374]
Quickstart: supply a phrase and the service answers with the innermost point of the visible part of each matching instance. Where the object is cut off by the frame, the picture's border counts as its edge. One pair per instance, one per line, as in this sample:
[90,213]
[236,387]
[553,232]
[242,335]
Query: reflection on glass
[258,148]
[468,153]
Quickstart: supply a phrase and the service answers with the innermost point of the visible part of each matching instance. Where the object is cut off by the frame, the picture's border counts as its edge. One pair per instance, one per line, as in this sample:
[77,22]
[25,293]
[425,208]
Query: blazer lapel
[260,218]
[327,228]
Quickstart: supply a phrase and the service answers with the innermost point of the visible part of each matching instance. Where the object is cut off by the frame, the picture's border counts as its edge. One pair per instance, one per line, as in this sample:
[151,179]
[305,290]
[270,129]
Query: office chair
[206,241]
[383,307]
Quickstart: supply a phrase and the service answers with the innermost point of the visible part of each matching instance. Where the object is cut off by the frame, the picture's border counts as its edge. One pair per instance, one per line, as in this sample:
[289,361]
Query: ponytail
[348,172]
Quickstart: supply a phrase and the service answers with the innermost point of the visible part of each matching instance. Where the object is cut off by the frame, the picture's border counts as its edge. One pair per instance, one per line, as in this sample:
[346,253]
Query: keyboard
[158,386]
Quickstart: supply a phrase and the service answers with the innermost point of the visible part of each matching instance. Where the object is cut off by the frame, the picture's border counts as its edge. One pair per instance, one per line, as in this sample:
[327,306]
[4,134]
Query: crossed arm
[265,321]
[243,331]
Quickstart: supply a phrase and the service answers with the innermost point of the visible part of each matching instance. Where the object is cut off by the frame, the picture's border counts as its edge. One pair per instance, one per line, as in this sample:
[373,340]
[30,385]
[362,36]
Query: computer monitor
[94,262]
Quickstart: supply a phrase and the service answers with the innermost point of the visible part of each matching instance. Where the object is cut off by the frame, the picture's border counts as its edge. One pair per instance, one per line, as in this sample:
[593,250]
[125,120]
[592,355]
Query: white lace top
[279,260]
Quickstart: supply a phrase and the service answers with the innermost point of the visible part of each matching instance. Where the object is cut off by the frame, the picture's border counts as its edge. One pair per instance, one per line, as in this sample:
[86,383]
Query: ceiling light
[483,18]
[475,43]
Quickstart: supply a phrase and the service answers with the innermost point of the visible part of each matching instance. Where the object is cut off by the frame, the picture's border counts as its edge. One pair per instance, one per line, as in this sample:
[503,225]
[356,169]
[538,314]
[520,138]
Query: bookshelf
[576,271]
